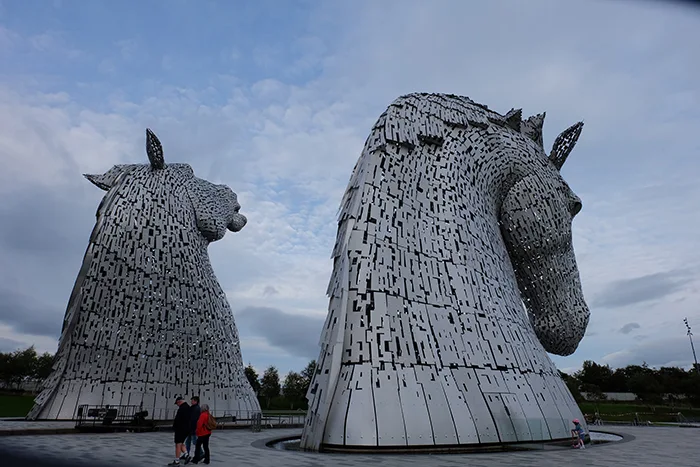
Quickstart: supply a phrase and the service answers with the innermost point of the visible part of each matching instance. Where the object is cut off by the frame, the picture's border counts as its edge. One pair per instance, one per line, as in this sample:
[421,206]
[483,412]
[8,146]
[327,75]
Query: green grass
[613,411]
[284,412]
[15,406]
[19,406]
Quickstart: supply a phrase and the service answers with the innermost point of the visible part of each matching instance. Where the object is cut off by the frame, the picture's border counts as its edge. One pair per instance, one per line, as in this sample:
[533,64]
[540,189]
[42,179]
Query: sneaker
[175,462]
[187,460]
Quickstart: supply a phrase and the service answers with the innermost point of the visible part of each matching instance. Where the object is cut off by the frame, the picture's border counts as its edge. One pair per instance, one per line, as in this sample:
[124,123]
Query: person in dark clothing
[181,426]
[191,440]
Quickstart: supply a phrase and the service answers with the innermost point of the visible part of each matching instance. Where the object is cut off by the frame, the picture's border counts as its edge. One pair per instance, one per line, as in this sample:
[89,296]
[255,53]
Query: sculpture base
[446,449]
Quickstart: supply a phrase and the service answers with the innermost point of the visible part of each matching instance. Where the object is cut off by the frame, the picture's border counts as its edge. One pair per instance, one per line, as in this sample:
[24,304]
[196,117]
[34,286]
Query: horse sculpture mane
[453,274]
[147,320]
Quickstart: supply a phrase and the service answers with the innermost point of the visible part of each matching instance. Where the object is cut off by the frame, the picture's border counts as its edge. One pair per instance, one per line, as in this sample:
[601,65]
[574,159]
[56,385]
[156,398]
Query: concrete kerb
[626,438]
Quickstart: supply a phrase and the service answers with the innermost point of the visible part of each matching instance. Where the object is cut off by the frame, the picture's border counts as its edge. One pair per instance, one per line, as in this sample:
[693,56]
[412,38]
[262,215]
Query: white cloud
[670,351]
[11,340]
[54,43]
[286,141]
[128,48]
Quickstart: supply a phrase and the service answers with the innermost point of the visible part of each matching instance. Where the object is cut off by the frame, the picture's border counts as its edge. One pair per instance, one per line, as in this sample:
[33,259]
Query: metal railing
[116,417]
[112,417]
[643,419]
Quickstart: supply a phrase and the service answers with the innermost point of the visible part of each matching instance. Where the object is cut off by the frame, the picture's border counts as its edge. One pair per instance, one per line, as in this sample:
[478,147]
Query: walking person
[191,440]
[205,425]
[181,427]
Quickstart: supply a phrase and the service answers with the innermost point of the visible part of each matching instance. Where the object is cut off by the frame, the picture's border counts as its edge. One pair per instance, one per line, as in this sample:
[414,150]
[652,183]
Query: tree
[618,381]
[671,379]
[252,376]
[691,387]
[308,375]
[308,372]
[25,365]
[17,367]
[573,384]
[594,375]
[270,385]
[646,387]
[21,366]
[294,389]
[44,366]
[6,369]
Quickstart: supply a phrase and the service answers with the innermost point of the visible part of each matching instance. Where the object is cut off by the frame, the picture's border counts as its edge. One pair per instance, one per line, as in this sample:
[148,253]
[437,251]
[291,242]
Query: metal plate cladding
[147,320]
[454,275]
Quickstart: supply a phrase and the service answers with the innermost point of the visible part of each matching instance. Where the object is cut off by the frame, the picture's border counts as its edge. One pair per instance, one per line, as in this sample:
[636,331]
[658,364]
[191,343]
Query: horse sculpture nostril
[237,223]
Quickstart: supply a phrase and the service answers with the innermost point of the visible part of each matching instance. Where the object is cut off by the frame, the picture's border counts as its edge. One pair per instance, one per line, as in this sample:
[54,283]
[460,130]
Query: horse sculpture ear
[99,181]
[514,118]
[564,144]
[154,150]
[532,128]
[106,180]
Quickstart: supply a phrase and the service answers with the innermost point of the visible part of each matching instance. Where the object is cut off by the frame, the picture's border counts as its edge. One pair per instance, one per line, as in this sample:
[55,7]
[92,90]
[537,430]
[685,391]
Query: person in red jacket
[203,434]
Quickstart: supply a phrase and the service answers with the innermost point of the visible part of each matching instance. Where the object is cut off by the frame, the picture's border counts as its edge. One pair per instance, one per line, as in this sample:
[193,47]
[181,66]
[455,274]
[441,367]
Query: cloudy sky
[275,99]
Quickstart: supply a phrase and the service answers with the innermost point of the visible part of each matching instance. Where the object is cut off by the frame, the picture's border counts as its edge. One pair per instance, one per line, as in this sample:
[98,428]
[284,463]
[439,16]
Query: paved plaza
[651,446]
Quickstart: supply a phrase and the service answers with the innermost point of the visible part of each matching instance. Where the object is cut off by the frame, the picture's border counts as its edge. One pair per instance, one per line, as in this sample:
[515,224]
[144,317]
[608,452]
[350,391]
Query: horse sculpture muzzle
[542,255]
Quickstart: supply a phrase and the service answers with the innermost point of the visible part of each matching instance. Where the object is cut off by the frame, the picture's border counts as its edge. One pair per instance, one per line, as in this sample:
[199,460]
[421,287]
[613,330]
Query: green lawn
[19,406]
[612,411]
[273,412]
[15,406]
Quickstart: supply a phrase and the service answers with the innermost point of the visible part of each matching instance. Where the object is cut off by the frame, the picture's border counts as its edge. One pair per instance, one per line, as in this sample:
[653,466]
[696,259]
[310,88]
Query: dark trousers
[202,442]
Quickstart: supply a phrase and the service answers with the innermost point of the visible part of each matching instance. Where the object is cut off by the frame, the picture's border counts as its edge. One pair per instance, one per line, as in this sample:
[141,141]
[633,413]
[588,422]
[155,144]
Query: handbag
[210,424]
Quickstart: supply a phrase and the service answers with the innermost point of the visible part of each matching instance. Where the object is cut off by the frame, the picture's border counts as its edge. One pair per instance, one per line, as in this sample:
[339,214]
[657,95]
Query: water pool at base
[597,437]
[600,437]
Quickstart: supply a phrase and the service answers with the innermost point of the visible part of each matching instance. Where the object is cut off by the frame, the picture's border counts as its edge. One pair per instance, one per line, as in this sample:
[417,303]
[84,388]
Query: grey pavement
[651,446]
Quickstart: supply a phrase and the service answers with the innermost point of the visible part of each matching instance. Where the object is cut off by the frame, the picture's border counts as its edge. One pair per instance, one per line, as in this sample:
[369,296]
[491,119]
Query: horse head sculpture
[216,206]
[453,219]
[147,319]
[536,217]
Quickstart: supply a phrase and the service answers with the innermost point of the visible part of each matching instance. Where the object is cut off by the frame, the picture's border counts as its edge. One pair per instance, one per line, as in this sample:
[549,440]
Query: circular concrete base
[291,443]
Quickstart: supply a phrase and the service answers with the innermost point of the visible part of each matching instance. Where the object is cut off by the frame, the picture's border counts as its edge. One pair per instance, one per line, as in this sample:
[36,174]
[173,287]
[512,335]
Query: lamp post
[690,336]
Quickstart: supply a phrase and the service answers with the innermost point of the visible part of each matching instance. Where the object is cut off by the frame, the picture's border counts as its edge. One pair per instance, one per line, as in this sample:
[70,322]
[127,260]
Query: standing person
[181,426]
[191,440]
[578,434]
[205,424]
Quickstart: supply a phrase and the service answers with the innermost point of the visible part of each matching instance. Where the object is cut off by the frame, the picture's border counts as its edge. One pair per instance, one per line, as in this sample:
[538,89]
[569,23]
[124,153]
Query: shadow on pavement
[14,459]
